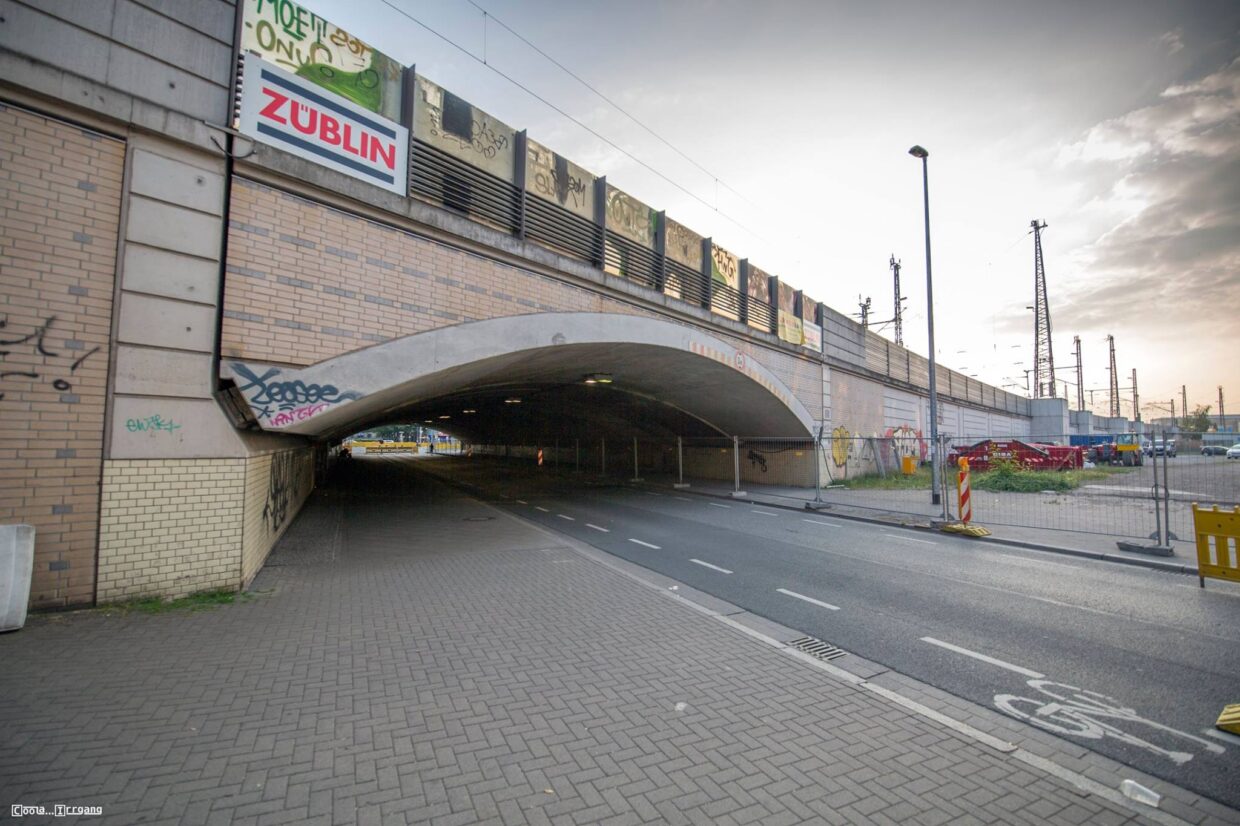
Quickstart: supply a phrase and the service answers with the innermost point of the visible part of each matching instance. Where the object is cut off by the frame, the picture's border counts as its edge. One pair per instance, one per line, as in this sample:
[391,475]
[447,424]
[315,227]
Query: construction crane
[899,301]
[1043,357]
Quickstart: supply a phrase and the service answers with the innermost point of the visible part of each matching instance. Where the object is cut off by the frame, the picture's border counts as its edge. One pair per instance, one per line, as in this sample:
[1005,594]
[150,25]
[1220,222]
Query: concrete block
[174,228]
[51,40]
[143,76]
[174,182]
[142,371]
[162,322]
[168,38]
[162,428]
[160,272]
[16,567]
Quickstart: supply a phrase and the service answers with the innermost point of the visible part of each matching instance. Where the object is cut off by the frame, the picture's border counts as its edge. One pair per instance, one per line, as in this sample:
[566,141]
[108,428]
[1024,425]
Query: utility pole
[1184,399]
[1043,357]
[1114,380]
[1136,399]
[1220,408]
[1174,420]
[899,316]
[865,312]
[1080,378]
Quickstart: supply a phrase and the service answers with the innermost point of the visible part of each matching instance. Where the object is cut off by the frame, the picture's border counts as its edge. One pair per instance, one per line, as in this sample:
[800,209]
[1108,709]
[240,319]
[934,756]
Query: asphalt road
[1132,663]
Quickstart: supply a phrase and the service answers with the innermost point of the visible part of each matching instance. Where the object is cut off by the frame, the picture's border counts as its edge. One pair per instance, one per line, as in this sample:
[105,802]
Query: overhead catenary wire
[579,123]
[718,181]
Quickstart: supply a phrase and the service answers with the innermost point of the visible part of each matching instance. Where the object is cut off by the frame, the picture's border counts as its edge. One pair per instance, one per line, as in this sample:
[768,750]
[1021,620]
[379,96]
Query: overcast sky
[1117,123]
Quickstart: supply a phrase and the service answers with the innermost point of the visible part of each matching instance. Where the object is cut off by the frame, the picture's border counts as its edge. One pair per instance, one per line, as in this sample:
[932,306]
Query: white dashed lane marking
[597,528]
[712,567]
[810,600]
[569,518]
[984,658]
[645,544]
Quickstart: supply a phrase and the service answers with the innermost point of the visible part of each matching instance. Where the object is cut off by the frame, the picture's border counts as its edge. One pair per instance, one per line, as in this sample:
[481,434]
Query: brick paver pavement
[415,656]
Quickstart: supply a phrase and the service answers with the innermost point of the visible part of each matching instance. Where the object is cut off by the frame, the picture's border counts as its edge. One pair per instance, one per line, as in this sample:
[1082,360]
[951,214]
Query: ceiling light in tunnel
[430,421]
[512,400]
[598,378]
[445,417]
[471,410]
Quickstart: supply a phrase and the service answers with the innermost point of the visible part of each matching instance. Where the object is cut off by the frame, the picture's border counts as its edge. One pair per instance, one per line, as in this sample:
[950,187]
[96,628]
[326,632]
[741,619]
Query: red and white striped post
[540,457]
[962,492]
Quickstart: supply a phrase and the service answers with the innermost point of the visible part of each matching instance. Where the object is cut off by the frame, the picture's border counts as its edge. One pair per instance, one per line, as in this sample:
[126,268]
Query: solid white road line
[992,660]
[910,539]
[810,600]
[597,528]
[541,508]
[712,567]
[820,522]
[1225,736]
[645,544]
[764,513]
[717,505]
[569,518]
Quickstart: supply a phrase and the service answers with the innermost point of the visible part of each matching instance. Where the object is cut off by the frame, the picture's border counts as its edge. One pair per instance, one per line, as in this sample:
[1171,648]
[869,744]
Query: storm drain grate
[817,648]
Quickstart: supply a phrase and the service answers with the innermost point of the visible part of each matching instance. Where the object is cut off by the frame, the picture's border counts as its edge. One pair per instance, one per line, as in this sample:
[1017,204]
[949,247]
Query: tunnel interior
[585,392]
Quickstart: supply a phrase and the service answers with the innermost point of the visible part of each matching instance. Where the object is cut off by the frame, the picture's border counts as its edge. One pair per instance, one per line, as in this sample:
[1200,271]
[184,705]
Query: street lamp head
[918,152]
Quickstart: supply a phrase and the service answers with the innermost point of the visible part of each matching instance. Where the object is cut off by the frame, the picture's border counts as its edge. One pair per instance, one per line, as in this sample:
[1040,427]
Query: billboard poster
[299,41]
[630,218]
[289,112]
[760,292]
[454,125]
[813,336]
[791,328]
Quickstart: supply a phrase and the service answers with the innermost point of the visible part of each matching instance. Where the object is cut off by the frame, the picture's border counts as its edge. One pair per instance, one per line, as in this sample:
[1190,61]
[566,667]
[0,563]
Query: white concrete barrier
[16,566]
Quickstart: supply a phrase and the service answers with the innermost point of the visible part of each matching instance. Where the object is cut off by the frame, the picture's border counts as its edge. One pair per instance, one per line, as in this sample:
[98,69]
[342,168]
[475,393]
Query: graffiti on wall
[629,217]
[286,480]
[152,424]
[25,359]
[725,271]
[296,39]
[452,124]
[281,403]
[906,441]
[683,245]
[559,180]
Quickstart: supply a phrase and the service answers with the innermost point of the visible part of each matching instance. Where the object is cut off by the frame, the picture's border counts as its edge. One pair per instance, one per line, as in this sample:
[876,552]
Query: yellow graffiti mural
[841,446]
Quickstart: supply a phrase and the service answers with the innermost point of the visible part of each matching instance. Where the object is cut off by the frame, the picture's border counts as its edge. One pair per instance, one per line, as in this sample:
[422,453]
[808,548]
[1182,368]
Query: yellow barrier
[1218,543]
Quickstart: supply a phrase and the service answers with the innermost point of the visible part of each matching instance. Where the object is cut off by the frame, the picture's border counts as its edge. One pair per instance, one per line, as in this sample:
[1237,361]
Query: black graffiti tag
[269,396]
[37,338]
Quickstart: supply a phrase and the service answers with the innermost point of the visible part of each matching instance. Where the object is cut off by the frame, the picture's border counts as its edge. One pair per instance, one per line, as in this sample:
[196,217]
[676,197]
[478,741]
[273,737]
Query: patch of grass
[193,602]
[920,480]
[1004,477]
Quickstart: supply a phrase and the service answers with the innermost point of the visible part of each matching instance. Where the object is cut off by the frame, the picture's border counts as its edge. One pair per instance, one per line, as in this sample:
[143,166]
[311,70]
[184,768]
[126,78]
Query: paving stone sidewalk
[412,655]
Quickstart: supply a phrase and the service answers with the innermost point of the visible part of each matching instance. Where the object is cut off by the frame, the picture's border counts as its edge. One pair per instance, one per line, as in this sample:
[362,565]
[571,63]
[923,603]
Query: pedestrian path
[440,661]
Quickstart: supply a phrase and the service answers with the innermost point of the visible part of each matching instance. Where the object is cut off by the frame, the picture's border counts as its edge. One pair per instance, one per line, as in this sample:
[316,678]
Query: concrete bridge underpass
[512,379]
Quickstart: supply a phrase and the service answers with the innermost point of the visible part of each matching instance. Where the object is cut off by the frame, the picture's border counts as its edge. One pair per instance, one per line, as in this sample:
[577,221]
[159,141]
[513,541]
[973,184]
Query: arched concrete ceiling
[668,379]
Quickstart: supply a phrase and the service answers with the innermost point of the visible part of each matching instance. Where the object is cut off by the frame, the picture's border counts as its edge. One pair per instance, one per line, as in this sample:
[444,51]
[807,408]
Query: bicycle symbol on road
[1077,712]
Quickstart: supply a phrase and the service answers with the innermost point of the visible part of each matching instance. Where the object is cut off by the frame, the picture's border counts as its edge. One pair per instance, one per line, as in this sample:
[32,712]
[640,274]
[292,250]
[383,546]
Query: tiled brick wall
[170,527]
[60,190]
[307,283]
[276,486]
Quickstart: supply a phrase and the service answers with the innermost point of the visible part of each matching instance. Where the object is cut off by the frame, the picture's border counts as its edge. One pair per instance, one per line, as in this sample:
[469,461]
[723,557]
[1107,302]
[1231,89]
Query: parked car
[1214,450]
[1233,452]
[1162,447]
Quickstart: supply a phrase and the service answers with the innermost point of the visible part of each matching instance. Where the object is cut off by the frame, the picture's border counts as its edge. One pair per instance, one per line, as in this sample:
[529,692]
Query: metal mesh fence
[1045,484]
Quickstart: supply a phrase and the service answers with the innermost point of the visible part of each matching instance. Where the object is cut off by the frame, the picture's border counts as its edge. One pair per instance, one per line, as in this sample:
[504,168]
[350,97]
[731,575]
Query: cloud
[1172,41]
[1167,179]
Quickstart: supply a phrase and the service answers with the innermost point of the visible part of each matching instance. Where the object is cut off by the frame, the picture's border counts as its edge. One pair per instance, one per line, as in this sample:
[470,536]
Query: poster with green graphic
[299,41]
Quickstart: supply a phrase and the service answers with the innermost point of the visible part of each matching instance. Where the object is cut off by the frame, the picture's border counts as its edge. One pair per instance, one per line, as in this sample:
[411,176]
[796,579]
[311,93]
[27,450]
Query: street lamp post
[935,493]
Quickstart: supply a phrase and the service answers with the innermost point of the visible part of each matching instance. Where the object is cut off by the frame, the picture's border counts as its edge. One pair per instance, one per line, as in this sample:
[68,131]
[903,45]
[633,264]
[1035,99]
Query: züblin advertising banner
[304,119]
